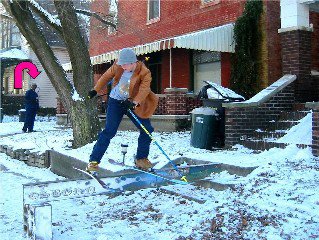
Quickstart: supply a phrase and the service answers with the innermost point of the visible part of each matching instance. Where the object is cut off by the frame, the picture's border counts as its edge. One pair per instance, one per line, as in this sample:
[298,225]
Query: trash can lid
[204,111]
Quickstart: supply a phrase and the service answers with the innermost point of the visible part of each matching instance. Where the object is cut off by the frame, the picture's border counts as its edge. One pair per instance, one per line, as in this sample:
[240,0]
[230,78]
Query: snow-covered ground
[278,200]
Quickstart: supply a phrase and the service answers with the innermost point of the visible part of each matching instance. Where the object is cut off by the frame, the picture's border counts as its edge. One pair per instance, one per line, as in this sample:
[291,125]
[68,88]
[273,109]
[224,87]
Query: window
[153,10]
[10,35]
[15,36]
[113,12]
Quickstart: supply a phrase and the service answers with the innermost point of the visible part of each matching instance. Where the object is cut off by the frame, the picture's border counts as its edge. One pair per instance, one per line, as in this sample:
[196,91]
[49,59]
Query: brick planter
[243,118]
[176,101]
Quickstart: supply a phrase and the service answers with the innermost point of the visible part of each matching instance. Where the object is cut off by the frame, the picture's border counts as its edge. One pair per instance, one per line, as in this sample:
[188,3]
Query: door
[206,71]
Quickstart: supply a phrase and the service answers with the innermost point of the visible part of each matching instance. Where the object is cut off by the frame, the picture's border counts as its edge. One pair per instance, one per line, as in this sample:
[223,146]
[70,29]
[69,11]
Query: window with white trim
[153,10]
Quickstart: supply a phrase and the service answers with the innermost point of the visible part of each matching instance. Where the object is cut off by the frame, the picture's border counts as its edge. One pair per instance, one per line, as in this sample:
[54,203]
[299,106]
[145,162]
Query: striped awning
[219,39]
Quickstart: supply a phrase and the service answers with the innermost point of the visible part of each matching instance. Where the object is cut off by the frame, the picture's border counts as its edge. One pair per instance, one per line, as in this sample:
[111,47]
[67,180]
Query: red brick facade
[293,52]
[176,18]
[296,51]
[314,19]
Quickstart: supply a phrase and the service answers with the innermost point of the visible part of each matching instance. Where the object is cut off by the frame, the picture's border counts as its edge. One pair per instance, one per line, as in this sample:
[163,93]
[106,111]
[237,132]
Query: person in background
[130,90]
[31,100]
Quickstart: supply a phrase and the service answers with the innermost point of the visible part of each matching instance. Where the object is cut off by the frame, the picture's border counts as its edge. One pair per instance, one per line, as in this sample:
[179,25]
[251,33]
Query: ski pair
[111,161]
[182,177]
[96,178]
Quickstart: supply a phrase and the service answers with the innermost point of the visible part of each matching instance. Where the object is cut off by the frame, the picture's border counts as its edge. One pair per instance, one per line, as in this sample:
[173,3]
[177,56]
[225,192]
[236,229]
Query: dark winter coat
[31,99]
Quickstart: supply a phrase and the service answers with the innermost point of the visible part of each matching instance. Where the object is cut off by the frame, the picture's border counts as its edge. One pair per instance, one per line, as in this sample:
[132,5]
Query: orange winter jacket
[140,87]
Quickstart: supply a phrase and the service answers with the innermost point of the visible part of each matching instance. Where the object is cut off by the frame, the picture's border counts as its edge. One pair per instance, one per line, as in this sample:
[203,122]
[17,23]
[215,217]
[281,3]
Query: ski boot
[144,164]
[92,168]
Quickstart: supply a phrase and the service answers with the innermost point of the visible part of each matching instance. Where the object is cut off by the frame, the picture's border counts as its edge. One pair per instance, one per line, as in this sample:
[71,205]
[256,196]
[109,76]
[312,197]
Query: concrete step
[259,135]
[294,116]
[261,145]
[281,125]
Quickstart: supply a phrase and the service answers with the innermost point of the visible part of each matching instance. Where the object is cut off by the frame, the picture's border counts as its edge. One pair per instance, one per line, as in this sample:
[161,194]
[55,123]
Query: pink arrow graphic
[33,72]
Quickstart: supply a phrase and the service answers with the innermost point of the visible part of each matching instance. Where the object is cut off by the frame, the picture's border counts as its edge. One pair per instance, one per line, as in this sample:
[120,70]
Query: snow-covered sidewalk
[278,200]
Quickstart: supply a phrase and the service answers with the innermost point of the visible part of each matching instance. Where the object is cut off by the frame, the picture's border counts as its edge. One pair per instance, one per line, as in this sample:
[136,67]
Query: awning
[11,57]
[13,53]
[219,39]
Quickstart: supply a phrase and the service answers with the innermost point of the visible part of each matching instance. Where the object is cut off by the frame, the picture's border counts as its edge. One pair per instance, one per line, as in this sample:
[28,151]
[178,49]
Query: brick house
[175,40]
[186,42]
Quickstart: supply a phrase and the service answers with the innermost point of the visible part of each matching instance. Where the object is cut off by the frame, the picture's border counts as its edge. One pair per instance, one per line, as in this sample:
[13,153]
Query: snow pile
[299,134]
[278,200]
[204,111]
[219,92]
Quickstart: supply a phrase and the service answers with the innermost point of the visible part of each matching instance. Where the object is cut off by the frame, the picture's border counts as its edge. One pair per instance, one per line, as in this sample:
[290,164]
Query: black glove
[92,94]
[128,104]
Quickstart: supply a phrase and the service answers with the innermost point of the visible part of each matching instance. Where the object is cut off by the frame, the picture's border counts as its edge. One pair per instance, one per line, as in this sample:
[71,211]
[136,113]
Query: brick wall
[314,19]
[242,121]
[161,108]
[166,105]
[191,102]
[176,101]
[296,59]
[315,132]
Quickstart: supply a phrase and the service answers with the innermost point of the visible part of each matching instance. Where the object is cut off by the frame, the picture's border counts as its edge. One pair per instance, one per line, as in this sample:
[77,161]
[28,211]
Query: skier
[31,100]
[130,90]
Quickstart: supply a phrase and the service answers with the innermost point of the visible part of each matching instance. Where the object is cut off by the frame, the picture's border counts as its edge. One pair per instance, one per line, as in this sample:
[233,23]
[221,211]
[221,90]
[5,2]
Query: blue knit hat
[127,56]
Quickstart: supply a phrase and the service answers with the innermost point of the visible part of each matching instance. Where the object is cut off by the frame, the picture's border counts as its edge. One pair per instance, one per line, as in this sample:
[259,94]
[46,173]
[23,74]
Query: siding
[47,93]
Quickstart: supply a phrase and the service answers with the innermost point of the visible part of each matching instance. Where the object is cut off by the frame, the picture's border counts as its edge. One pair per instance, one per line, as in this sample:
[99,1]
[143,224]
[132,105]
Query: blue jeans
[114,116]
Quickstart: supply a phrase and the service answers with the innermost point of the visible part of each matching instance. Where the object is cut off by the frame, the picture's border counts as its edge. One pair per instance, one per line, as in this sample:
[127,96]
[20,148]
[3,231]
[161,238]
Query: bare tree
[83,112]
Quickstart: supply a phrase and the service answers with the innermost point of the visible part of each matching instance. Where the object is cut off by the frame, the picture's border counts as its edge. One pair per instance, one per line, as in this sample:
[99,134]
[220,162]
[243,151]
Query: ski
[96,178]
[112,161]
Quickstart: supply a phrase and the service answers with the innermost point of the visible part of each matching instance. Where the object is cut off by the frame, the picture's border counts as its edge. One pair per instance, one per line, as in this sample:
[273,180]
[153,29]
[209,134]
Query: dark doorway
[154,62]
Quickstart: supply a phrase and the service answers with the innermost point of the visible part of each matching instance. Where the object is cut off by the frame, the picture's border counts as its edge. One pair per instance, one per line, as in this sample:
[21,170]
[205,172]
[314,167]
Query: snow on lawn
[278,200]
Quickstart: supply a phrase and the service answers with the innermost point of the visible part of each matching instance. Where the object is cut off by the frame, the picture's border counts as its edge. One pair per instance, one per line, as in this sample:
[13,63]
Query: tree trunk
[84,118]
[83,112]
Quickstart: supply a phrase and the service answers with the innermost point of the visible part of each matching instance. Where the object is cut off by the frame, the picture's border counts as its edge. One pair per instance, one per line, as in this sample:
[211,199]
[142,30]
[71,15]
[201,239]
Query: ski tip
[183,178]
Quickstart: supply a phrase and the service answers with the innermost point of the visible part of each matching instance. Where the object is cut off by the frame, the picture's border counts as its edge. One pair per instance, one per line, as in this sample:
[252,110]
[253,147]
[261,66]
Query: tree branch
[97,16]
[46,16]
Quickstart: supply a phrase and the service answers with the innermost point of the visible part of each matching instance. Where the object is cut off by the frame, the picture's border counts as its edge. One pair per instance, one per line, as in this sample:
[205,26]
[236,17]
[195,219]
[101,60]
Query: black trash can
[213,96]
[204,126]
[216,104]
[22,113]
